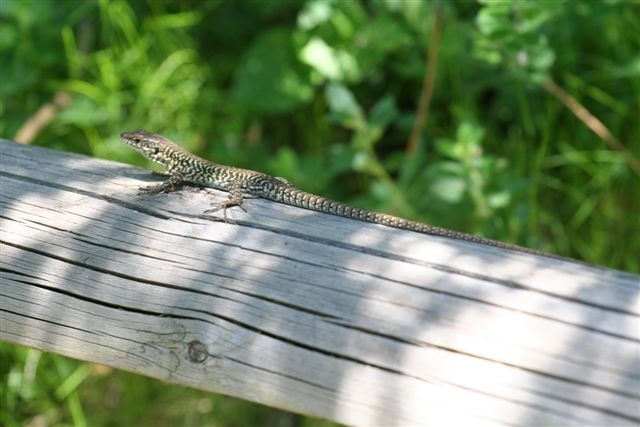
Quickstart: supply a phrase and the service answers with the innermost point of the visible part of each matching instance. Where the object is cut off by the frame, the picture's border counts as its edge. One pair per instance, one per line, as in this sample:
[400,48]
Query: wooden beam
[316,314]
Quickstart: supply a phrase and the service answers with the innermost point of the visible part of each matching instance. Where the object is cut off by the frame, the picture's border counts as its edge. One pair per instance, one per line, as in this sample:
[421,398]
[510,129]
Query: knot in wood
[197,352]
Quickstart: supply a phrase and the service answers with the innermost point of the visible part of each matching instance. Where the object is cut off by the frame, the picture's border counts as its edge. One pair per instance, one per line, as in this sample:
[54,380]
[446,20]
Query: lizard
[185,167]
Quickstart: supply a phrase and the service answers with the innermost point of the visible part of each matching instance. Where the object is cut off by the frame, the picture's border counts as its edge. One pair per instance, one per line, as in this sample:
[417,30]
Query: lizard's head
[154,147]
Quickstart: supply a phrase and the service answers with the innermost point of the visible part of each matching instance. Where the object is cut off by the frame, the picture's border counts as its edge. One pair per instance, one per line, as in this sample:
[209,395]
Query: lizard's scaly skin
[183,166]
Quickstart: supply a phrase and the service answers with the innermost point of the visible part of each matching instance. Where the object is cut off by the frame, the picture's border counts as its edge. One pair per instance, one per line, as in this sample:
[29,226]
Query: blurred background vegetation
[516,120]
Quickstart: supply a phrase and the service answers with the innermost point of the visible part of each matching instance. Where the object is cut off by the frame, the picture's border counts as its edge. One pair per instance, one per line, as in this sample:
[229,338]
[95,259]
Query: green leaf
[383,112]
[491,21]
[341,159]
[450,189]
[343,107]
[269,79]
[376,40]
[314,13]
[499,199]
[466,145]
[363,161]
[331,63]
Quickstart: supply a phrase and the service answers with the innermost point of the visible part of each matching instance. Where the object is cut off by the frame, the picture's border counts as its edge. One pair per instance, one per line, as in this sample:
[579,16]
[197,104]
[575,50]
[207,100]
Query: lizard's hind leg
[235,199]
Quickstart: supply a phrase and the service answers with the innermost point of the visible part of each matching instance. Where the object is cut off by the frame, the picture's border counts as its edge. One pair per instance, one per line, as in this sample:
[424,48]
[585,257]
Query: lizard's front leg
[167,186]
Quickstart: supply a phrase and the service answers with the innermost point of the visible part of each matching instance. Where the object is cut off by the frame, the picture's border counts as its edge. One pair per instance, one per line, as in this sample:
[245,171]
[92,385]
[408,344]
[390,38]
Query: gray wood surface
[320,315]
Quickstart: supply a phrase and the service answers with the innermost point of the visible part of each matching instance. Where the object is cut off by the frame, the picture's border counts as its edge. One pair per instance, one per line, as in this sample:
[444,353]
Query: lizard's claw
[224,206]
[155,189]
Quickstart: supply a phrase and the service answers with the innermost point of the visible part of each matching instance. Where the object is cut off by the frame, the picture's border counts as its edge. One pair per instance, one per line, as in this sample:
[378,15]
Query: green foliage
[271,58]
[40,385]
[325,94]
[513,34]
[44,389]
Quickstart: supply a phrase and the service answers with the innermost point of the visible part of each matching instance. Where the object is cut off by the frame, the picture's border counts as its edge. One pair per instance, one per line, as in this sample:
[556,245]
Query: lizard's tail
[295,197]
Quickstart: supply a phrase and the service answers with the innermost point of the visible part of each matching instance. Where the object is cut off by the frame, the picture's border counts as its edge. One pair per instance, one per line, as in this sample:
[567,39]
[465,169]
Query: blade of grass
[592,123]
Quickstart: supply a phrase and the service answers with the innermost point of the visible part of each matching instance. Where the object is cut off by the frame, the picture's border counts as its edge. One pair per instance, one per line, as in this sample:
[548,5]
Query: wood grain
[321,315]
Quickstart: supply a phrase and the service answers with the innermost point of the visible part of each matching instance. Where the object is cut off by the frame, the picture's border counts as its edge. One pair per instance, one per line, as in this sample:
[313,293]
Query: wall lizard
[184,167]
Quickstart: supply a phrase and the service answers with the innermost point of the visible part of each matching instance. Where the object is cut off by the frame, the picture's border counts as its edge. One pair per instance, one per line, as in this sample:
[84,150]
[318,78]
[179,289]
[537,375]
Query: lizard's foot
[155,189]
[165,187]
[224,206]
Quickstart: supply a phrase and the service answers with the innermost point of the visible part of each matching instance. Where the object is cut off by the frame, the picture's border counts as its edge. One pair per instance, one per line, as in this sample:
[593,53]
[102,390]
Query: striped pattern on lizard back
[183,166]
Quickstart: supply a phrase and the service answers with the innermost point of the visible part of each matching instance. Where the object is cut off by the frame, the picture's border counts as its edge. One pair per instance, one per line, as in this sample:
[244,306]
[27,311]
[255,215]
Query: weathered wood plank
[354,322]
